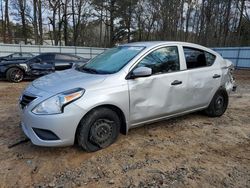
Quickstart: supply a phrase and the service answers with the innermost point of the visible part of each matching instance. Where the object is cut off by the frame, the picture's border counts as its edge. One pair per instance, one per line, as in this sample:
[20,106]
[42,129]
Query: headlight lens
[56,104]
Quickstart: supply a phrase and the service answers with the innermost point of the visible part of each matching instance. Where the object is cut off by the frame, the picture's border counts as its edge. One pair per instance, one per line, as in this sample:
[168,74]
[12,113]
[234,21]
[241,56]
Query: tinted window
[63,57]
[196,58]
[162,60]
[47,57]
[27,55]
[16,55]
[210,58]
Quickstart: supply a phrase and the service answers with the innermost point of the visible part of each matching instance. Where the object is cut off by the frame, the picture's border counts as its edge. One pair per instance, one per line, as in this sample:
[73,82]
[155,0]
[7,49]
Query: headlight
[56,104]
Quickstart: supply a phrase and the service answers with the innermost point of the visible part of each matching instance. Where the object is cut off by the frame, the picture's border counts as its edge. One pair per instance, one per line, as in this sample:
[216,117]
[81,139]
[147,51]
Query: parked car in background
[16,71]
[18,56]
[124,87]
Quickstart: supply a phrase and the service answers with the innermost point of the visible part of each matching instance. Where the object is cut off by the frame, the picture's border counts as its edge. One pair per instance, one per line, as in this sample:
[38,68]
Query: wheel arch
[221,88]
[120,113]
[210,110]
[13,66]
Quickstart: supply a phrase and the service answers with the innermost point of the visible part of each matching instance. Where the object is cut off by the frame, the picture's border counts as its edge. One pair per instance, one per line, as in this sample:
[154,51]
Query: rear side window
[162,60]
[210,58]
[196,58]
[27,55]
[47,57]
[16,55]
[63,57]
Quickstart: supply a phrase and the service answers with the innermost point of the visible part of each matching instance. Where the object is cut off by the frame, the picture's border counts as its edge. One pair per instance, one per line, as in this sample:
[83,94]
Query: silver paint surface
[142,100]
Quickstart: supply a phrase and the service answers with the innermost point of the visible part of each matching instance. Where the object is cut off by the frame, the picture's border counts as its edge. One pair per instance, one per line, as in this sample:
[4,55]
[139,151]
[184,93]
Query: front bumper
[63,126]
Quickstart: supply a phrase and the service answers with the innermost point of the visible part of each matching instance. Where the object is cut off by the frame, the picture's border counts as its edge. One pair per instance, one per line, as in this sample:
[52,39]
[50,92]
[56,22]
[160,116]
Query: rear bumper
[234,88]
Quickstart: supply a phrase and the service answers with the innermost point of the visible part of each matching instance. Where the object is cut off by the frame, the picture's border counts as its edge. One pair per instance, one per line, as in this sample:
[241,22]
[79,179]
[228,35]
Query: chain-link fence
[86,52]
[240,56]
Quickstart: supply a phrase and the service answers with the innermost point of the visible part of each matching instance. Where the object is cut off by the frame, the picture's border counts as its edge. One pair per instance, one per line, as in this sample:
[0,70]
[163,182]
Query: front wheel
[98,129]
[14,75]
[218,105]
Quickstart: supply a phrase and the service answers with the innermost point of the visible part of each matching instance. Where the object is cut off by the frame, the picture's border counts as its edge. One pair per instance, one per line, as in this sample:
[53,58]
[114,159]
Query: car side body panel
[154,96]
[142,100]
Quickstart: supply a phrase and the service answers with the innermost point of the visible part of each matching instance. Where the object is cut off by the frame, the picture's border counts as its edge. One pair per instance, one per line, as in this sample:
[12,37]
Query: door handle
[176,82]
[216,76]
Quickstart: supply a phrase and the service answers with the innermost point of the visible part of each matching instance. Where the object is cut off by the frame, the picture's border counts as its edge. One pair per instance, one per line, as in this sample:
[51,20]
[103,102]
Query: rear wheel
[98,129]
[14,75]
[218,105]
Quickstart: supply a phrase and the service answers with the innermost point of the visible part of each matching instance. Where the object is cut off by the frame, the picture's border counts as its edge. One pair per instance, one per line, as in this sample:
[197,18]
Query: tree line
[105,23]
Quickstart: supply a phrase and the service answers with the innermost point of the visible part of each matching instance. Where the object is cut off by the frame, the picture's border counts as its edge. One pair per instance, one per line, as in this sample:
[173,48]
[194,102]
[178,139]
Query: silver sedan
[124,87]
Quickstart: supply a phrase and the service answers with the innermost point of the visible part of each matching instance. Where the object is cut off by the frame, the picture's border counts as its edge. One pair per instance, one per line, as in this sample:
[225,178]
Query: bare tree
[65,20]
[7,37]
[36,36]
[107,22]
[54,5]
[40,21]
[21,6]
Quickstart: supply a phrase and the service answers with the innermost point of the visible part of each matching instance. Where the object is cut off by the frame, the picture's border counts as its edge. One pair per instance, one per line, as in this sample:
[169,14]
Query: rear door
[164,92]
[204,76]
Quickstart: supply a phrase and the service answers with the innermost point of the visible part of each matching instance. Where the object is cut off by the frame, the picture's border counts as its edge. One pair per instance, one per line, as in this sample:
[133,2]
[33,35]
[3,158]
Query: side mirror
[141,72]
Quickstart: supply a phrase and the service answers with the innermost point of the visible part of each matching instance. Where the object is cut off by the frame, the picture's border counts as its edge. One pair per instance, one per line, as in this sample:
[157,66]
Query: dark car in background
[18,56]
[45,63]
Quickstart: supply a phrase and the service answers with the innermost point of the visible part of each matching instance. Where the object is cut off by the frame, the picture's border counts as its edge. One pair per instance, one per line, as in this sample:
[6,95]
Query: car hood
[65,80]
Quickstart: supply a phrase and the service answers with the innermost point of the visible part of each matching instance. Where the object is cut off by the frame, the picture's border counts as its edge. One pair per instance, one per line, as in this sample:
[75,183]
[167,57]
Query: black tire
[14,75]
[218,105]
[98,129]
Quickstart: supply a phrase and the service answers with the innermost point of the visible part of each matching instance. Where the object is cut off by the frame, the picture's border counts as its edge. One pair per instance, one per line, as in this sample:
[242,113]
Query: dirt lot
[189,151]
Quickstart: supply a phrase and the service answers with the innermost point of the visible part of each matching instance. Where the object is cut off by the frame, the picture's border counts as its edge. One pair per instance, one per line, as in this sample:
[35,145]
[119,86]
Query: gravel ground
[189,151]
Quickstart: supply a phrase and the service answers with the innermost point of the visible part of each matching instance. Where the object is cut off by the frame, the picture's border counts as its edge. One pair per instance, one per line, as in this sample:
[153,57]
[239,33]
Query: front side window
[111,60]
[196,58]
[162,60]
[42,58]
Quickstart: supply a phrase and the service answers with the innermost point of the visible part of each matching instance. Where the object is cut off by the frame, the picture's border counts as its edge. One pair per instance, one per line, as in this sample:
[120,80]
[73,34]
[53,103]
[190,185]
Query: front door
[164,92]
[41,65]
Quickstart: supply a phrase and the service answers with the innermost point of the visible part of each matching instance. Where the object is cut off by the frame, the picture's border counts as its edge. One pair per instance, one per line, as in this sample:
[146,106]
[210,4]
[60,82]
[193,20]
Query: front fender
[13,66]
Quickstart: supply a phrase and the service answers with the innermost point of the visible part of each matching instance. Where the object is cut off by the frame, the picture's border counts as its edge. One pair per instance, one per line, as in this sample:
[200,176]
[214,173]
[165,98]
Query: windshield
[112,60]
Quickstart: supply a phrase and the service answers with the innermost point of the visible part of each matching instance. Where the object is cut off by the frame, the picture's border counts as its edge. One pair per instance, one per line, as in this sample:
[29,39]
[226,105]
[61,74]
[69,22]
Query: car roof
[157,43]
[152,44]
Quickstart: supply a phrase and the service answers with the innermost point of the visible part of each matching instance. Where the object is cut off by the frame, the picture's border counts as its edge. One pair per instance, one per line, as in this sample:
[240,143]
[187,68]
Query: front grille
[25,100]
